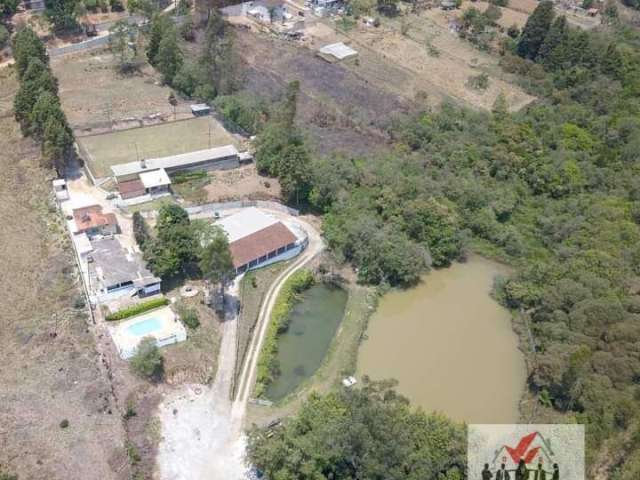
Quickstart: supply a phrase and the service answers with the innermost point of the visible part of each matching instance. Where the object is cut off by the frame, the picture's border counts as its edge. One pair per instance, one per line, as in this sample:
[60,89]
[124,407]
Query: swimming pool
[145,327]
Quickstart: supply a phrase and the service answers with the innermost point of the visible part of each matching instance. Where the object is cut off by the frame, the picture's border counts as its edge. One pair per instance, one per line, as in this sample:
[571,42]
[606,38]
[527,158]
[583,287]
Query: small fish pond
[314,321]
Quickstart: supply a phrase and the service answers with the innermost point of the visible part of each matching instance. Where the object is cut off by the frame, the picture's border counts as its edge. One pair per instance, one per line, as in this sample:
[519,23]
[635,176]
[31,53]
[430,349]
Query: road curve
[248,373]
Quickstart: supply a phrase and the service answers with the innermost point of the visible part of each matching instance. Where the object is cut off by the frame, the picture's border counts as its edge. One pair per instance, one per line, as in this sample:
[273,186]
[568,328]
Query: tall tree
[217,59]
[216,261]
[553,51]
[62,15]
[159,25]
[47,106]
[169,57]
[535,30]
[57,143]
[27,46]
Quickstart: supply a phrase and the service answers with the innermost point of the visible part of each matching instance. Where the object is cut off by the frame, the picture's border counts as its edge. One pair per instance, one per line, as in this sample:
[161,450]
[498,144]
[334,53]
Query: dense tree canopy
[366,433]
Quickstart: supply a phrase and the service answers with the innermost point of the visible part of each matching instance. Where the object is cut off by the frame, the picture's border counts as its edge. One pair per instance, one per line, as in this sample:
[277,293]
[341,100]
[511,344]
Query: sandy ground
[202,436]
[239,183]
[52,368]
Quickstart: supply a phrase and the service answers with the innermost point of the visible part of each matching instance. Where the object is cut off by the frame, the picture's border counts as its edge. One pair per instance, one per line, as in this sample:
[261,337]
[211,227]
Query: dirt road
[202,428]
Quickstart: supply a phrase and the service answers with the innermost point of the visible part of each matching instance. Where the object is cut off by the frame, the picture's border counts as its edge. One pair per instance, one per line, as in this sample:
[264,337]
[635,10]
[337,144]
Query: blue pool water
[144,327]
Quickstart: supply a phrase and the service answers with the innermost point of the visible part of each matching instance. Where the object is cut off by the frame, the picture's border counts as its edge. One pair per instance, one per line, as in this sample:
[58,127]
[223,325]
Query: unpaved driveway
[202,436]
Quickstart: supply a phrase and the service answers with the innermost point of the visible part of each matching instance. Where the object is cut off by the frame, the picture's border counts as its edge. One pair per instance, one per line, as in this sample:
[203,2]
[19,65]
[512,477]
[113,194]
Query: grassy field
[51,370]
[104,150]
[339,362]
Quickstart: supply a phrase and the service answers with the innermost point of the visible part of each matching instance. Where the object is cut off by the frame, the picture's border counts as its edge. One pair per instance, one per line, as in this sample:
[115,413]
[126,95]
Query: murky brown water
[449,344]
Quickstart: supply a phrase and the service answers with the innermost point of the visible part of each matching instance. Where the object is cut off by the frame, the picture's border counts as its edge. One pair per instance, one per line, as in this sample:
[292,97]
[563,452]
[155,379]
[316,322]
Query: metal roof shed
[155,179]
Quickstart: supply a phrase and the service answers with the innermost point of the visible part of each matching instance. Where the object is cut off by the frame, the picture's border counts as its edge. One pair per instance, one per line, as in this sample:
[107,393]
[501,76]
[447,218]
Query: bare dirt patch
[434,61]
[342,110]
[51,370]
[96,98]
[241,183]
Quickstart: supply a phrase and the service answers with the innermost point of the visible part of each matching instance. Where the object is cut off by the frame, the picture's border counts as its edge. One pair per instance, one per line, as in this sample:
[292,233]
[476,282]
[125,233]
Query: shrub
[79,302]
[91,5]
[133,454]
[278,323]
[4,36]
[116,5]
[189,317]
[64,423]
[137,309]
[148,362]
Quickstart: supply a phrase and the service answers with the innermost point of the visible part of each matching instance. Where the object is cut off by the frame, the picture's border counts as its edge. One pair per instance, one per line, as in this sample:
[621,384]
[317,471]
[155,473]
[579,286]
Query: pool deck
[170,331]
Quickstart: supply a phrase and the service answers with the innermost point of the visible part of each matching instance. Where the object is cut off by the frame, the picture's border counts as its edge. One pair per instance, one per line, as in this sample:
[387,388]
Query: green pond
[301,349]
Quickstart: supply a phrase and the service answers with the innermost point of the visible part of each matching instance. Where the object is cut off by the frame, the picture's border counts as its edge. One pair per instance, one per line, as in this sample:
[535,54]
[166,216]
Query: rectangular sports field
[123,146]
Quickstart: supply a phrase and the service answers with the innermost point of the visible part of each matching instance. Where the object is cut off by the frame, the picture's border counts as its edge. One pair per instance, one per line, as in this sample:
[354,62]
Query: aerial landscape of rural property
[320,239]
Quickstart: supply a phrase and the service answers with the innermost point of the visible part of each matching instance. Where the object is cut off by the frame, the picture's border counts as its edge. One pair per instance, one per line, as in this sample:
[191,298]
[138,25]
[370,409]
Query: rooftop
[260,243]
[115,265]
[173,161]
[155,178]
[130,186]
[90,217]
[245,222]
[338,50]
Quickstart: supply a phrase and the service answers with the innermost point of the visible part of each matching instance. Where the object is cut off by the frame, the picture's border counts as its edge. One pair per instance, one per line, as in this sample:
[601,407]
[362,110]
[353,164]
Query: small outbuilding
[337,52]
[200,109]
[155,181]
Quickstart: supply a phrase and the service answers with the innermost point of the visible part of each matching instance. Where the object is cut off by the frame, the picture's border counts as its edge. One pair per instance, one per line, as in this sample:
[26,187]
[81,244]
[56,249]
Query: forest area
[553,190]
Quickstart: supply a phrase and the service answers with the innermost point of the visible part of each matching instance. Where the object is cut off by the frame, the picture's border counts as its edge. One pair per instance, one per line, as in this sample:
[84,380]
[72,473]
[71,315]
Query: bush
[133,454]
[64,423]
[189,317]
[148,362]
[116,5]
[279,322]
[91,5]
[79,302]
[4,36]
[137,309]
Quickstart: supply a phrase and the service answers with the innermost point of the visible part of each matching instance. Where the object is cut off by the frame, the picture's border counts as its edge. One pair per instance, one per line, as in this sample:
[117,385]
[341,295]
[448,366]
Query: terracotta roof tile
[260,243]
[90,217]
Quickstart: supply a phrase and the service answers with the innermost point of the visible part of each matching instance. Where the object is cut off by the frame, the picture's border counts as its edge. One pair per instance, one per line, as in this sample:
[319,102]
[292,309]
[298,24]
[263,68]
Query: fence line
[210,209]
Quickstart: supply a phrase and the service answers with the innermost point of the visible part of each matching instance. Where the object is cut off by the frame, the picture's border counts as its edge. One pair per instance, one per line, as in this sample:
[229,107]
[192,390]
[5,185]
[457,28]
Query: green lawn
[104,150]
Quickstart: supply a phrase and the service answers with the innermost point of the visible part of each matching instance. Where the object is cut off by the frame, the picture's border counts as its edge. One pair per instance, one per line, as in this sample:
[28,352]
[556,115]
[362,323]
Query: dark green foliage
[169,59]
[242,110]
[148,362]
[160,24]
[36,104]
[141,231]
[27,46]
[535,30]
[189,317]
[175,245]
[137,309]
[216,262]
[4,36]
[217,60]
[363,433]
[8,7]
[62,15]
[281,152]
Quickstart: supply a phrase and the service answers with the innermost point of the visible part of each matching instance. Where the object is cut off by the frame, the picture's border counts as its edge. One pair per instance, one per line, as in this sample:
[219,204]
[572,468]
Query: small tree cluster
[36,104]
[163,49]
[148,362]
[281,152]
